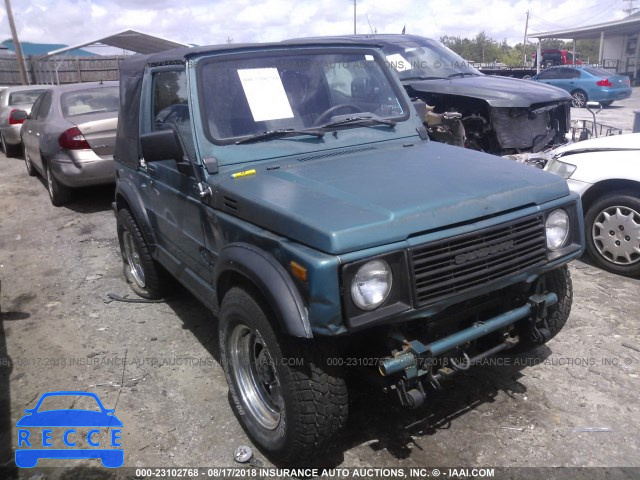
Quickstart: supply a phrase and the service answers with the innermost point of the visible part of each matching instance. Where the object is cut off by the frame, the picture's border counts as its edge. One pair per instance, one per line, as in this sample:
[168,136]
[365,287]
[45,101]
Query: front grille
[463,263]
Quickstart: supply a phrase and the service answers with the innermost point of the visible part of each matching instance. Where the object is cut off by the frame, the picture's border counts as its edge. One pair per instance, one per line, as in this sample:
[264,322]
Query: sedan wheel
[58,193]
[579,99]
[27,162]
[613,234]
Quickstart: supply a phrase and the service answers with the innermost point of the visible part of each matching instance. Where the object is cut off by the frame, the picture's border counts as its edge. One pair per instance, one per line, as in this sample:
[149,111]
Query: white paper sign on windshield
[265,94]
[398,62]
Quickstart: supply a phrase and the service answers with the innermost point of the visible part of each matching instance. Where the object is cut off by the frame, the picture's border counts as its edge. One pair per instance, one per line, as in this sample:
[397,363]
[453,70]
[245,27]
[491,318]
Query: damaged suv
[500,115]
[293,190]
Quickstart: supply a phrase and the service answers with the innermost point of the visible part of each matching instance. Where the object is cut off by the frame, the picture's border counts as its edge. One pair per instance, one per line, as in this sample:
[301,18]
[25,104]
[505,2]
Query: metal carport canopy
[627,26]
[130,40]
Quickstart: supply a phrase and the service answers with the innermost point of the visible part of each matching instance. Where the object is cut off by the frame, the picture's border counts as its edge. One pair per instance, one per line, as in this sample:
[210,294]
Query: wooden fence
[61,70]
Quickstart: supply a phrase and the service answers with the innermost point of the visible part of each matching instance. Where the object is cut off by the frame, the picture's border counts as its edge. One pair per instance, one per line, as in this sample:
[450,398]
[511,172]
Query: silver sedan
[12,100]
[69,137]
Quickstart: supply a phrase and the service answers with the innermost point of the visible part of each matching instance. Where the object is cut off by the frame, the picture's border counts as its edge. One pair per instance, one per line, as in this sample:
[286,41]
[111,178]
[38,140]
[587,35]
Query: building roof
[130,40]
[38,49]
[627,26]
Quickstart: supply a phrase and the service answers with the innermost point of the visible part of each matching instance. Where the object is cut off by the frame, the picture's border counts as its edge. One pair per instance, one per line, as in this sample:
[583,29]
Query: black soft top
[132,71]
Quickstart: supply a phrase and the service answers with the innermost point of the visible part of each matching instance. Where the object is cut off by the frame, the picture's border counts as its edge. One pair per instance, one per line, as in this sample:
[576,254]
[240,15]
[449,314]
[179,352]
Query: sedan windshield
[426,59]
[283,95]
[24,97]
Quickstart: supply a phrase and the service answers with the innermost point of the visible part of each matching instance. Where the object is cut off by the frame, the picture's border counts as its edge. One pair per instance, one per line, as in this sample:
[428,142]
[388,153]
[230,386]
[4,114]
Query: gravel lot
[60,331]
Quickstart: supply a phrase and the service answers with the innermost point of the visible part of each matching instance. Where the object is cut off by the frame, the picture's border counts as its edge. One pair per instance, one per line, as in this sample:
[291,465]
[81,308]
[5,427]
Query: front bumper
[83,168]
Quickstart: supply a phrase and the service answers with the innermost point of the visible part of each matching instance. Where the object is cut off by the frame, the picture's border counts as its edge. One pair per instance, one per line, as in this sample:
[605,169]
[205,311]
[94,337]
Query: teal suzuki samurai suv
[293,190]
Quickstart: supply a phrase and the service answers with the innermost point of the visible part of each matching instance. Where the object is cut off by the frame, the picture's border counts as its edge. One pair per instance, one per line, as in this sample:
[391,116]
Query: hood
[345,203]
[497,91]
[630,141]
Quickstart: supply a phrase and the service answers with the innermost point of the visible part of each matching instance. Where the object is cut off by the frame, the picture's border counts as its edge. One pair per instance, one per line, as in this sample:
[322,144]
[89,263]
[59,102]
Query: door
[172,200]
[34,128]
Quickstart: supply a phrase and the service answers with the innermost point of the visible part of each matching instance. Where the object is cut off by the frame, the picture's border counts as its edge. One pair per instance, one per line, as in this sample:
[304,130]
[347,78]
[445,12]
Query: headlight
[565,170]
[557,226]
[371,285]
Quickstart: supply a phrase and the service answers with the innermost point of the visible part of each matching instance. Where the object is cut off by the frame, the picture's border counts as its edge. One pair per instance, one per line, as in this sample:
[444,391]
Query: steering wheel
[327,114]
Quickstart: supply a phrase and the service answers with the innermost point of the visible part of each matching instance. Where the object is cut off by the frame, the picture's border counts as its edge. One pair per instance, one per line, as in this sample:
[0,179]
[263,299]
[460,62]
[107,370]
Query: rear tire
[58,193]
[286,394]
[143,274]
[617,213]
[579,98]
[27,161]
[9,150]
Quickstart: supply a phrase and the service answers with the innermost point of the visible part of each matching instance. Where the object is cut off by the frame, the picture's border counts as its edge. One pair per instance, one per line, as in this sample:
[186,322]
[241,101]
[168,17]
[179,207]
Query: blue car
[35,430]
[587,84]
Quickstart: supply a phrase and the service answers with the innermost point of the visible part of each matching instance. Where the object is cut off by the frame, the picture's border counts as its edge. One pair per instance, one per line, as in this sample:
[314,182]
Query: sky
[205,22]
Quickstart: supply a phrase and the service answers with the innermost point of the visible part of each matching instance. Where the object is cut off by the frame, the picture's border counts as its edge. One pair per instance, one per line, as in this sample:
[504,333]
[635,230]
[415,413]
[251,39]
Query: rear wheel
[143,274]
[27,161]
[579,98]
[9,150]
[288,399]
[612,227]
[58,193]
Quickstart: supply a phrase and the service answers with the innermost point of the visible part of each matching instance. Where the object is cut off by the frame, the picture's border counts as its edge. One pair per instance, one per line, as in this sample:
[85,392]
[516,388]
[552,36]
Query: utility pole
[524,42]
[354,17]
[630,9]
[16,43]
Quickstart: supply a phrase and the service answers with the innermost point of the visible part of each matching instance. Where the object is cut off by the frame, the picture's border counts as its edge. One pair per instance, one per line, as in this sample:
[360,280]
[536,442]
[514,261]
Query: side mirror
[161,145]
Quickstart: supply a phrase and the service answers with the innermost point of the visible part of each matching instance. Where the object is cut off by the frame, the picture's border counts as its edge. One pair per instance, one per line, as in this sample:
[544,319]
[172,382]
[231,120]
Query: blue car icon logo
[36,433]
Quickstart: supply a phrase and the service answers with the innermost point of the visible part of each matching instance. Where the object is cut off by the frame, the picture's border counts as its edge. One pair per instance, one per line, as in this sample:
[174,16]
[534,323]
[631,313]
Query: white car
[605,172]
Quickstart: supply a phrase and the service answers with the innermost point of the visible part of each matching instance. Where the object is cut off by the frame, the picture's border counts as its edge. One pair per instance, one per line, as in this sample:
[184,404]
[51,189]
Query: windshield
[426,59]
[93,100]
[248,96]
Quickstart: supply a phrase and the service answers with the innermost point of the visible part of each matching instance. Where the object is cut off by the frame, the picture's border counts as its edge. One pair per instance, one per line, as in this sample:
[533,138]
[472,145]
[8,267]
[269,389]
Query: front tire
[612,231]
[9,150]
[288,398]
[145,277]
[559,282]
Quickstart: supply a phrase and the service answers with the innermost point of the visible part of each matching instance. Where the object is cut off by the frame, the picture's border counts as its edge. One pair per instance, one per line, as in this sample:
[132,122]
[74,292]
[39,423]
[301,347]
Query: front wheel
[612,227]
[288,398]
[559,282]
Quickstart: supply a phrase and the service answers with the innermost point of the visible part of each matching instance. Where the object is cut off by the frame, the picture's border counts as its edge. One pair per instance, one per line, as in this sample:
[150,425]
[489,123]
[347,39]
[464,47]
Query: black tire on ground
[27,161]
[288,397]
[143,274]
[612,232]
[579,98]
[9,150]
[559,282]
[58,193]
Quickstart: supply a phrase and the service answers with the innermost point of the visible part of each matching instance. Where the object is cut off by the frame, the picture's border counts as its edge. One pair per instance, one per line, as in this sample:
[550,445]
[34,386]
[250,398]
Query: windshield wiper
[360,119]
[462,74]
[420,78]
[279,133]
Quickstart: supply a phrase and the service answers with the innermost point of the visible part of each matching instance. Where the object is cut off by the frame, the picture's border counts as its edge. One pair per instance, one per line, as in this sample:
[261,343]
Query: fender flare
[130,195]
[271,279]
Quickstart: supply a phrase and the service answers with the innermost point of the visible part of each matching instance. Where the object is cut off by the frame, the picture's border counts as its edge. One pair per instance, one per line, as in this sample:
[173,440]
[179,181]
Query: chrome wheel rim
[255,376]
[616,235]
[579,99]
[133,259]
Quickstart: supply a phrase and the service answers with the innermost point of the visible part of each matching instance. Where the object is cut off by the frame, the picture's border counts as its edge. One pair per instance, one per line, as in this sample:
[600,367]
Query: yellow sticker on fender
[244,174]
